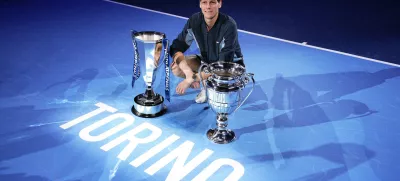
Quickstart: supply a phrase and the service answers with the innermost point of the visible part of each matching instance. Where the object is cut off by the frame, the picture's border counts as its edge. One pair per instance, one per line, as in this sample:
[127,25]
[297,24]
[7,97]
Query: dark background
[365,28]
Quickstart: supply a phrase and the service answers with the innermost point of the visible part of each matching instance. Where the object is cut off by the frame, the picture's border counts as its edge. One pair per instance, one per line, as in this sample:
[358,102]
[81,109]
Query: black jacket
[219,44]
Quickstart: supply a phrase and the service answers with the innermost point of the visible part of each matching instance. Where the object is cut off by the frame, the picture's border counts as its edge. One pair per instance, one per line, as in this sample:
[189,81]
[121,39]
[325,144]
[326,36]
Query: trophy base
[148,108]
[221,136]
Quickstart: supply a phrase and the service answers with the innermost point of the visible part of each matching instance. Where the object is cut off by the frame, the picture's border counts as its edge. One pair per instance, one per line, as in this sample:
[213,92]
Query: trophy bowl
[224,89]
[148,47]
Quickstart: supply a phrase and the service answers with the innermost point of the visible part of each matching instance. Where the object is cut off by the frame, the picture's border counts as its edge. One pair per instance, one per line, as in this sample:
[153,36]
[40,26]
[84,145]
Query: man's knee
[193,61]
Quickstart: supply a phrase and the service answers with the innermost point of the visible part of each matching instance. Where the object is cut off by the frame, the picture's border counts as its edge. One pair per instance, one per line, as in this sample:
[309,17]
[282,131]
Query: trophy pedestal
[149,105]
[221,135]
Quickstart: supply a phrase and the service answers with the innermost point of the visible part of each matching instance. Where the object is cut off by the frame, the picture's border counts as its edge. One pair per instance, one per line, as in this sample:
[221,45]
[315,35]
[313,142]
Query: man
[217,38]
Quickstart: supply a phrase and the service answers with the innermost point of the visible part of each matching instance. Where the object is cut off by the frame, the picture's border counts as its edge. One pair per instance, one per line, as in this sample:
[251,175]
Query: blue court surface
[65,100]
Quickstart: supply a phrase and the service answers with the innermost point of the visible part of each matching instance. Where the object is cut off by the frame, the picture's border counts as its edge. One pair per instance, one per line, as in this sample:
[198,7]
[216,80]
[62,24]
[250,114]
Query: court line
[265,36]
[154,11]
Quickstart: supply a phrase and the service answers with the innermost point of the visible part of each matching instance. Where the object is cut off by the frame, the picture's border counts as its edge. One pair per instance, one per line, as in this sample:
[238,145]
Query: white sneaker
[201,97]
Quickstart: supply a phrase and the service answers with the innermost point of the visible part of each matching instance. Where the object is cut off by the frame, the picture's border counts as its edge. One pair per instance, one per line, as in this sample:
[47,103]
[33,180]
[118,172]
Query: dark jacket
[219,44]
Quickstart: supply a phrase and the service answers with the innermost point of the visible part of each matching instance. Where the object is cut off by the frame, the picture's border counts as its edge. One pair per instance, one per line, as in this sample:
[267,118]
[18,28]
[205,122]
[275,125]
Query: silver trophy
[150,51]
[224,95]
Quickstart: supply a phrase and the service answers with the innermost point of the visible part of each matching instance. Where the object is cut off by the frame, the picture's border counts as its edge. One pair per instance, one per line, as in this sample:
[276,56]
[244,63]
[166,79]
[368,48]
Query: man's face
[210,8]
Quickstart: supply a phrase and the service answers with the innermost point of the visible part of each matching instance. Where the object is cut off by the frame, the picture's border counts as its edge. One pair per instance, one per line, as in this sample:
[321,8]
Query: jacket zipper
[208,48]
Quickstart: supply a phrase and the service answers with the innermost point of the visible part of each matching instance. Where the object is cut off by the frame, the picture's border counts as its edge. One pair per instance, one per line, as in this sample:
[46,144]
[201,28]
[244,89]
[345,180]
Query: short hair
[217,0]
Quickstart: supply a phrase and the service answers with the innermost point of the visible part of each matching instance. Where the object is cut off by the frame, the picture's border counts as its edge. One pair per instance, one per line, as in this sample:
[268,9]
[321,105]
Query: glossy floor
[313,114]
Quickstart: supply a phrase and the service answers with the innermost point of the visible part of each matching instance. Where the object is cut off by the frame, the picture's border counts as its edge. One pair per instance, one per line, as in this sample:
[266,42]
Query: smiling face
[210,8]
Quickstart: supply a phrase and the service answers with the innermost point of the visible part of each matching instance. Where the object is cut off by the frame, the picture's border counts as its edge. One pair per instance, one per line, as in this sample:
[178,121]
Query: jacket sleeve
[228,43]
[181,43]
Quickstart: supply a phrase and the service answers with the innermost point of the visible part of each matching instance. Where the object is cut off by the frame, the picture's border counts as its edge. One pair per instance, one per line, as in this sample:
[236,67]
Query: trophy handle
[203,64]
[251,75]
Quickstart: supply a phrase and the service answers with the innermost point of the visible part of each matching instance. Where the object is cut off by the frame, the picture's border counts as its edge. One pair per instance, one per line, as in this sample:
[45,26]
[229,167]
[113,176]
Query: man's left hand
[182,86]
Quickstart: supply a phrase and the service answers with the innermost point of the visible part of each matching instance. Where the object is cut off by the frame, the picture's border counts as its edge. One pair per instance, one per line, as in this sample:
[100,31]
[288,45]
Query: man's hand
[182,86]
[186,72]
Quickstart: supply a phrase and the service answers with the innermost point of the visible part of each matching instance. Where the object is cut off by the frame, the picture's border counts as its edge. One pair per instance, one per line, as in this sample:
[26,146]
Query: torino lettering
[181,166]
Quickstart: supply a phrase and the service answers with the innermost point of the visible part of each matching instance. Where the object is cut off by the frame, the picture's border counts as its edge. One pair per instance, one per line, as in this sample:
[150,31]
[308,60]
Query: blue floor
[313,115]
